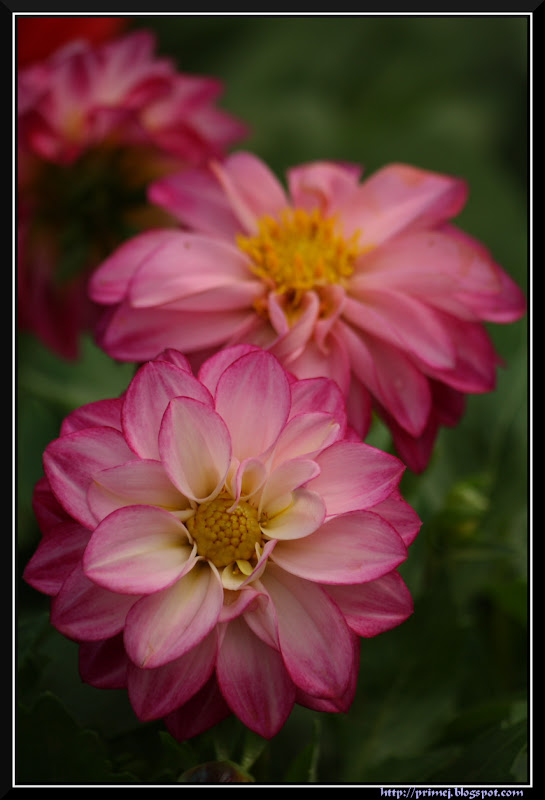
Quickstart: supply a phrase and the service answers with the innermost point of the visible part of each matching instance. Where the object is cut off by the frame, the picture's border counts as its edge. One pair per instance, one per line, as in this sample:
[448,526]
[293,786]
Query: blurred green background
[443,698]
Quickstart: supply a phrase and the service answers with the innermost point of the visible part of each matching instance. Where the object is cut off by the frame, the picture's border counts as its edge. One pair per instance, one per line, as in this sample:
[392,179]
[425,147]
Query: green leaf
[53,749]
[489,758]
[304,767]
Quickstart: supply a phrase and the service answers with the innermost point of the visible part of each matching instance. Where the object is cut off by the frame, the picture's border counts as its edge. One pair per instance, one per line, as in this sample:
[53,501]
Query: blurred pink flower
[207,539]
[368,284]
[95,124]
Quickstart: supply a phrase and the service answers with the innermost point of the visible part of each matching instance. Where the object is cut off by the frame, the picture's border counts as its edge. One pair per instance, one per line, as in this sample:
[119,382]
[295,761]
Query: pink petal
[429,264]
[58,553]
[254,681]
[71,462]
[308,623]
[414,451]
[231,296]
[329,360]
[83,610]
[322,184]
[136,334]
[403,322]
[195,448]
[176,358]
[150,391]
[400,515]
[156,692]
[214,367]
[163,626]
[253,397]
[375,607]
[94,415]
[205,709]
[291,344]
[186,266]
[109,283]
[293,517]
[392,378]
[318,394]
[261,616]
[399,197]
[359,408]
[251,188]
[103,664]
[351,548]
[354,475]
[137,550]
[335,704]
[46,507]
[236,603]
[135,483]
[196,199]
[476,360]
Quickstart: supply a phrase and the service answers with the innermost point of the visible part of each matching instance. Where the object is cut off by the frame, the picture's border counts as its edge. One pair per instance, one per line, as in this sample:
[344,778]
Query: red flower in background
[38,37]
[97,123]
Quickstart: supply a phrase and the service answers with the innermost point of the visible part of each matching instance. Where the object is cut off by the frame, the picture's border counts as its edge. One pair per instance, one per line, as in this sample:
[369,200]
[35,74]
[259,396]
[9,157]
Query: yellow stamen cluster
[301,251]
[225,536]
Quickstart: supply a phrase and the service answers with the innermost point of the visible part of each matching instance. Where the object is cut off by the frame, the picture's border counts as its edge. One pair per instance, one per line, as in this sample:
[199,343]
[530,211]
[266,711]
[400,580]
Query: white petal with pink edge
[150,391]
[93,415]
[308,622]
[135,483]
[351,548]
[138,550]
[306,435]
[293,515]
[254,681]
[163,626]
[287,477]
[71,462]
[354,475]
[253,397]
[318,394]
[195,448]
[213,368]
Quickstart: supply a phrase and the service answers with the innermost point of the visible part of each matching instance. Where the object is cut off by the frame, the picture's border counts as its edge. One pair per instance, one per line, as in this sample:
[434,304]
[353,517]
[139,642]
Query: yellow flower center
[300,252]
[226,536]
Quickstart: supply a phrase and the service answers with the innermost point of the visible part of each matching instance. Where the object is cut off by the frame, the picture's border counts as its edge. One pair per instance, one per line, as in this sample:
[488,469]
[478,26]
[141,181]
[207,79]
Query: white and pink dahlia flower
[217,544]
[95,124]
[366,283]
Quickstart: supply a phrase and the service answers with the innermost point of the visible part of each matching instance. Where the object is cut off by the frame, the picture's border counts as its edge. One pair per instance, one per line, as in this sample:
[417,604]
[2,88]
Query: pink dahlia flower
[368,284]
[206,539]
[95,124]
